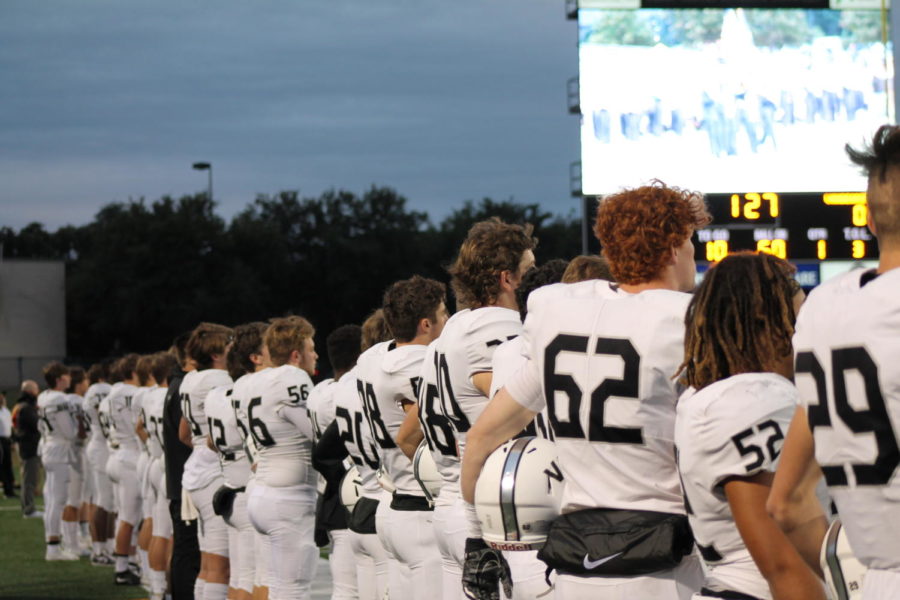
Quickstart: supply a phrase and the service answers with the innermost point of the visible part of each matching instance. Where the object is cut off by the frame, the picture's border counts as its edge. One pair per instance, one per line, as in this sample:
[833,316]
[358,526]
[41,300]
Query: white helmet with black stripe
[843,572]
[426,473]
[518,494]
[351,488]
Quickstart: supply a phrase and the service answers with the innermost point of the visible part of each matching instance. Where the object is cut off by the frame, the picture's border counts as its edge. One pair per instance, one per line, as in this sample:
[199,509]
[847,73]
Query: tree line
[142,272]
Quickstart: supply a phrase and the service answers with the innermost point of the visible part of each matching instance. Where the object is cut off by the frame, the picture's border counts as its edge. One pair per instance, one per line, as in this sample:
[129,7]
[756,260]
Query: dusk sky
[105,101]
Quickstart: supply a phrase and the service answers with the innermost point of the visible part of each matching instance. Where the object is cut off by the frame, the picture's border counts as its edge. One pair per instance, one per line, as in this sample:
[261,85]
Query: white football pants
[371,565]
[241,545]
[409,536]
[450,534]
[679,583]
[122,470]
[56,487]
[287,517]
[342,565]
[212,532]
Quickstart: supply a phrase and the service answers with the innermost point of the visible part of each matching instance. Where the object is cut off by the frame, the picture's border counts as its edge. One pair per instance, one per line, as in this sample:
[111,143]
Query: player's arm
[792,502]
[502,418]
[787,573]
[410,434]
[482,381]
[184,432]
[140,430]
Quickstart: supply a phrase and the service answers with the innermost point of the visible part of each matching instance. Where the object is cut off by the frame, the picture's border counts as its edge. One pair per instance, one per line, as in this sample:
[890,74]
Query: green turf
[25,575]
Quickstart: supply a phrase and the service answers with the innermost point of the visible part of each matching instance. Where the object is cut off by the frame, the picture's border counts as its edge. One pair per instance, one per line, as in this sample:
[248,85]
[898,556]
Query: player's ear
[424,326]
[506,281]
[295,357]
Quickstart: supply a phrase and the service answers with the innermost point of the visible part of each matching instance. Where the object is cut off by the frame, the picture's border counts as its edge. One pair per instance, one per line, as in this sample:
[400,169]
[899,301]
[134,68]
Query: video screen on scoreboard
[722,100]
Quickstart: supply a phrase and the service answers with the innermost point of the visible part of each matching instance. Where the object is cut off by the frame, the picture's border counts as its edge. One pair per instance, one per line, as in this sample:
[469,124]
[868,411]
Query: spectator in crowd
[6,474]
[28,436]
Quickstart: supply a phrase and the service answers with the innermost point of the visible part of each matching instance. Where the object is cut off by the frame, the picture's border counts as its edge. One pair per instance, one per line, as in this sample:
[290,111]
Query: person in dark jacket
[185,563]
[25,425]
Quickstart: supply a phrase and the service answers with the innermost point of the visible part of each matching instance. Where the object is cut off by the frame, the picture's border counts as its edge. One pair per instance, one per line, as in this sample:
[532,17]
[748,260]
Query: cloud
[442,100]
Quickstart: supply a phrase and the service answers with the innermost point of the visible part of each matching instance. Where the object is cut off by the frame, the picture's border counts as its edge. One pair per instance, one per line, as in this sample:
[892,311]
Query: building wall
[32,318]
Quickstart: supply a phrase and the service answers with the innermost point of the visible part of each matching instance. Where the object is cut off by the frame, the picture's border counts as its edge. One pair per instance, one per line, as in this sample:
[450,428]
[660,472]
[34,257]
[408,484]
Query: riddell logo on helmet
[512,546]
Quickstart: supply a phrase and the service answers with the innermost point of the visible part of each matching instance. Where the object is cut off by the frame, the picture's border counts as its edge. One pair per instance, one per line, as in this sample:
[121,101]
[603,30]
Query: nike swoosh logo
[593,564]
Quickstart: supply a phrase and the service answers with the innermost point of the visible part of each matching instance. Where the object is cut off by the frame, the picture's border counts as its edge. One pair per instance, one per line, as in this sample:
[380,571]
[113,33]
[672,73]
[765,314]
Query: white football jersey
[117,410]
[847,349]
[731,428]
[280,426]
[57,425]
[193,391]
[321,406]
[355,433]
[137,406]
[226,435]
[95,393]
[76,403]
[508,360]
[154,404]
[601,361]
[385,379]
[466,347]
[241,393]
[435,425]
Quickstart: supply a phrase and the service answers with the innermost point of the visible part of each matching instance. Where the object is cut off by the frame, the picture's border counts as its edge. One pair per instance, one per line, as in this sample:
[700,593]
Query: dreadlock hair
[740,319]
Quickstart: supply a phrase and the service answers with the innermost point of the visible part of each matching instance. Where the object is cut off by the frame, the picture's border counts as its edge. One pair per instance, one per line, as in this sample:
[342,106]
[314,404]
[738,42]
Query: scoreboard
[804,228]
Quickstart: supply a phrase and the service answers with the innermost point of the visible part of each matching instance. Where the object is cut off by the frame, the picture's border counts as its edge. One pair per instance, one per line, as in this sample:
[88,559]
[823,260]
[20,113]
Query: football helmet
[518,494]
[843,573]
[351,488]
[426,473]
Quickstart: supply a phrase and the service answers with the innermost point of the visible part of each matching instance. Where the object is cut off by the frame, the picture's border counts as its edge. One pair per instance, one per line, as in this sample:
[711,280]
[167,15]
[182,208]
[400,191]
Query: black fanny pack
[362,519]
[615,543]
[223,500]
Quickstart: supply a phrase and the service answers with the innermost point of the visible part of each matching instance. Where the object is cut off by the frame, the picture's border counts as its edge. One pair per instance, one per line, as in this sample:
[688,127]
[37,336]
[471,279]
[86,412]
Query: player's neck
[889,258]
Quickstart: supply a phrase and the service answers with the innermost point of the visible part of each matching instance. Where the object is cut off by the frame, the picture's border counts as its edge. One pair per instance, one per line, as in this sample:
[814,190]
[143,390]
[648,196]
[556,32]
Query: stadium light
[205,166]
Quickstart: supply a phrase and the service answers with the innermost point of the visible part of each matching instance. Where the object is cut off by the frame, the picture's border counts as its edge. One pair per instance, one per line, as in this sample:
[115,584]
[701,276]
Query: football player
[846,348]
[343,349]
[97,454]
[59,430]
[282,503]
[491,263]
[146,384]
[208,347]
[730,426]
[78,385]
[122,464]
[387,383]
[244,358]
[350,420]
[526,571]
[601,357]
[163,366]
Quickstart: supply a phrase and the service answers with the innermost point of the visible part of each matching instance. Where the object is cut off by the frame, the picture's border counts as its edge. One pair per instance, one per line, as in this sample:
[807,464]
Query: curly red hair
[638,228]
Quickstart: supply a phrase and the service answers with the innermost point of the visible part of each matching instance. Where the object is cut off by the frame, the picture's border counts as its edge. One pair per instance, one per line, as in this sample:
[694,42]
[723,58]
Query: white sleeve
[736,442]
[526,385]
[298,416]
[488,337]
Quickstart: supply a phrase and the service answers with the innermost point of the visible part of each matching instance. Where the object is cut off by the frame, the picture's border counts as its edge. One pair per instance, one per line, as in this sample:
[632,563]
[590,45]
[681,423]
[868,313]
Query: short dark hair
[878,160]
[98,372]
[125,367]
[164,364]
[549,272]
[586,267]
[77,376]
[408,301]
[248,339]
[344,346]
[179,346]
[53,371]
[207,340]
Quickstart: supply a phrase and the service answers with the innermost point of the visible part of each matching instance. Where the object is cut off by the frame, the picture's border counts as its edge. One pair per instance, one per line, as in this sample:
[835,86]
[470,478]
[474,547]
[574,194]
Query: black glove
[484,571]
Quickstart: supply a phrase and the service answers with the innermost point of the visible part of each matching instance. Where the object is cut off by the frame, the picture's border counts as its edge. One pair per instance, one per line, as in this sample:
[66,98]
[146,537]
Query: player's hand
[484,571]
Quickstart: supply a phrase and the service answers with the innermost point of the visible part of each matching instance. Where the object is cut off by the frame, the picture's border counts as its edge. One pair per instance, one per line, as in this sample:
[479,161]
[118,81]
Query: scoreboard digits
[793,226]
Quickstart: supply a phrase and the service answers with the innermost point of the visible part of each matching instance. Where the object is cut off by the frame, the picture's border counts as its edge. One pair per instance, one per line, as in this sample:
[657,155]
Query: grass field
[25,575]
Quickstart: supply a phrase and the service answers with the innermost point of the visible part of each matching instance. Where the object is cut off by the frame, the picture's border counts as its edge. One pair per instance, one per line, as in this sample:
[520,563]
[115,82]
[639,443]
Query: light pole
[205,166]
